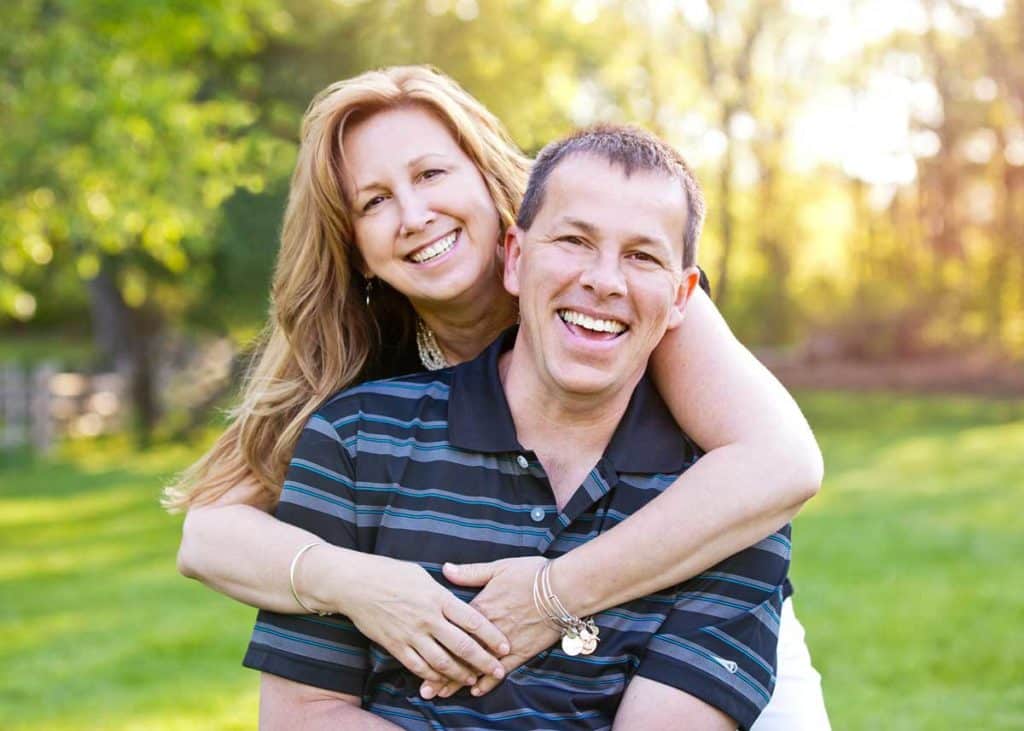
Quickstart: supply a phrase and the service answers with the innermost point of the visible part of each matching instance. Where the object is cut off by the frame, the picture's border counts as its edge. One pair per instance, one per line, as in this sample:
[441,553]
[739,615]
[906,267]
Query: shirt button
[537,514]
[522,461]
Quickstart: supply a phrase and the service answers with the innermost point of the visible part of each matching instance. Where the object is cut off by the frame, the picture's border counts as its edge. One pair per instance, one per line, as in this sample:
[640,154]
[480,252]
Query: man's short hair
[630,148]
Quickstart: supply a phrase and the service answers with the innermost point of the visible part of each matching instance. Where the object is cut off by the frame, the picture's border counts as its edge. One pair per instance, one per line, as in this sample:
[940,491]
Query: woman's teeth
[435,249]
[591,323]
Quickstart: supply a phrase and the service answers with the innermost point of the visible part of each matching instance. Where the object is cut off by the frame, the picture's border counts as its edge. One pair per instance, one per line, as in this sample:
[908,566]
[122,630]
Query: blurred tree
[119,153]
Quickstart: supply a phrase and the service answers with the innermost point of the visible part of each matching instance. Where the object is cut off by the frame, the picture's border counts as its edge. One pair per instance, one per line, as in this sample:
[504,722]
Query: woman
[362,291]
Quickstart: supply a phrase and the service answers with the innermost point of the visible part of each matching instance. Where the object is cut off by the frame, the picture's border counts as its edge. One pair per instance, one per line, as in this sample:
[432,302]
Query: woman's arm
[241,551]
[761,465]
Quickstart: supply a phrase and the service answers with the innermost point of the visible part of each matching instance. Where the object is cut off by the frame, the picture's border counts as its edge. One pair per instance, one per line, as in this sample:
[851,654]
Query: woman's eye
[373,203]
[432,173]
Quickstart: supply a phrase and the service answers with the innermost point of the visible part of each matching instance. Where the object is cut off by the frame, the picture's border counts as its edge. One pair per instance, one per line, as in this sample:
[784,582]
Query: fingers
[451,689]
[469,574]
[464,647]
[443,663]
[472,621]
[429,689]
[418,666]
[485,685]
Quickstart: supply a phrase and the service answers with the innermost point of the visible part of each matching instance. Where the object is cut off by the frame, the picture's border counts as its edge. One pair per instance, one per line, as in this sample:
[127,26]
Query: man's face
[599,275]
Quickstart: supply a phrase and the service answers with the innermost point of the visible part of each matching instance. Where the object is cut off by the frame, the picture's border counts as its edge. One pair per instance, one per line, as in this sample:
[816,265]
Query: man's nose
[604,276]
[416,214]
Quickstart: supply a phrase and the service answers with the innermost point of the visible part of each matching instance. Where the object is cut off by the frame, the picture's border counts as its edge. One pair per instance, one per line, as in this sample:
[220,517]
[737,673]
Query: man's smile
[580,323]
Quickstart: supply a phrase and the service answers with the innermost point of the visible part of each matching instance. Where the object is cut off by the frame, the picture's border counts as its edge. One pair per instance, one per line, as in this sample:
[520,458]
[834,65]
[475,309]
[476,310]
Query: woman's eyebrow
[411,164]
[425,156]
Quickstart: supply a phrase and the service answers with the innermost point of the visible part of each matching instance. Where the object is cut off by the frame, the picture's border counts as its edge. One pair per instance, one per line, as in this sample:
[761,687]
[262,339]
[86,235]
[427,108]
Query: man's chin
[587,381]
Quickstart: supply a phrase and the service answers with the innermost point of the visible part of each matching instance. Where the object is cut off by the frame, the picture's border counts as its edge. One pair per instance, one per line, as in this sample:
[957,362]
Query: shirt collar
[647,439]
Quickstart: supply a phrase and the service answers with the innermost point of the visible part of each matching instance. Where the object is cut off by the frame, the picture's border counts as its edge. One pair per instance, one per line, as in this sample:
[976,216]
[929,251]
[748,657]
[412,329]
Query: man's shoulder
[400,397]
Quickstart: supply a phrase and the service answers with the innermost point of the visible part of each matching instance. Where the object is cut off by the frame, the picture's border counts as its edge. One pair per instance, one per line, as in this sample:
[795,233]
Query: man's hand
[507,601]
[423,625]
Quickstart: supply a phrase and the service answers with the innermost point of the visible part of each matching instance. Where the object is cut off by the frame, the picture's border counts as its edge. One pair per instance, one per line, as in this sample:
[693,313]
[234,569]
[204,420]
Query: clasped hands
[448,643]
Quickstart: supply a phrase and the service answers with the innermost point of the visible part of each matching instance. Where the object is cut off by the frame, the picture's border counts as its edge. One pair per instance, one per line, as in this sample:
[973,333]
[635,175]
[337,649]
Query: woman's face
[424,219]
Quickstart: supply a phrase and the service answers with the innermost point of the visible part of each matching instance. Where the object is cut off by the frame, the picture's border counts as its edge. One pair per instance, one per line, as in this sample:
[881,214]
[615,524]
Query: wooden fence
[41,404]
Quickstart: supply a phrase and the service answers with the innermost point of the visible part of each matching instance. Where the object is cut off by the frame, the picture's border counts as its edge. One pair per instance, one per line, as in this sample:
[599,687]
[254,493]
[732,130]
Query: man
[550,437]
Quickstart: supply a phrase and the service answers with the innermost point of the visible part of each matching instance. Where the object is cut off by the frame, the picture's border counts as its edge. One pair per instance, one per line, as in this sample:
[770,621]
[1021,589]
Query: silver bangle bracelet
[291,578]
[579,634]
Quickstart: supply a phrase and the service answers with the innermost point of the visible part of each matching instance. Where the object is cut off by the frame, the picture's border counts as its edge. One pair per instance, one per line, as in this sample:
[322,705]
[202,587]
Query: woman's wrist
[321,575]
[578,588]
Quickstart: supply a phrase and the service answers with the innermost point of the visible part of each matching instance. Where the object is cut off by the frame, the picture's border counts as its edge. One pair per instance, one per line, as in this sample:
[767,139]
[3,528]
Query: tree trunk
[127,338]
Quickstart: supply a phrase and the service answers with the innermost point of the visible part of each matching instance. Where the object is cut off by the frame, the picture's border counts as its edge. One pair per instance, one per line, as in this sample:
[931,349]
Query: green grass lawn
[907,569]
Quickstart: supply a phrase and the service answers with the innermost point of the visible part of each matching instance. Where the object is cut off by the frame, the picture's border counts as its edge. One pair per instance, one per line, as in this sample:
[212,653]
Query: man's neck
[569,433]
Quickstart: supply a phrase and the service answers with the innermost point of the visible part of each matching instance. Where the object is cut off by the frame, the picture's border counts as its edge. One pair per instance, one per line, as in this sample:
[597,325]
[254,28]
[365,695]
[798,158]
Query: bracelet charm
[579,635]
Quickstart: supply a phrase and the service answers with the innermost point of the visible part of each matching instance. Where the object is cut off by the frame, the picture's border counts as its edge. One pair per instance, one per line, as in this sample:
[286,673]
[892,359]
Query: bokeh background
[864,166]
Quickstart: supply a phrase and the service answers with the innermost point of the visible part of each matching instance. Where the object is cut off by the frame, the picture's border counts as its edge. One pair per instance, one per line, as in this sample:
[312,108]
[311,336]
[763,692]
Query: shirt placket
[595,486]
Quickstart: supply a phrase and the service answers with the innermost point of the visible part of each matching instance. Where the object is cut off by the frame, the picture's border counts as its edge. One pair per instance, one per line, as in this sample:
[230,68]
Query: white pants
[797,703]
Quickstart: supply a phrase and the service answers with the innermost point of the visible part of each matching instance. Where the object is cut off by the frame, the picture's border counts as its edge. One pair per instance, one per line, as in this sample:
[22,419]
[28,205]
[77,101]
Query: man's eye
[644,257]
[574,240]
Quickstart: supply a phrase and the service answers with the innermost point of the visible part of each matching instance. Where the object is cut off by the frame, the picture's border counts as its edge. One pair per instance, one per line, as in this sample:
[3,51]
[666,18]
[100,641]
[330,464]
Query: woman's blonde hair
[321,336]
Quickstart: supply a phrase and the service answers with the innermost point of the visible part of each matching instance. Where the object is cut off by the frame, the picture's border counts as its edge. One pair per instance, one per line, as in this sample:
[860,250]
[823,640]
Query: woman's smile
[436,250]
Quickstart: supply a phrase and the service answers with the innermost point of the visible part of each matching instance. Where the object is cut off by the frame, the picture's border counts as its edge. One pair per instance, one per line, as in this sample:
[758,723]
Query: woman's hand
[507,601]
[423,625]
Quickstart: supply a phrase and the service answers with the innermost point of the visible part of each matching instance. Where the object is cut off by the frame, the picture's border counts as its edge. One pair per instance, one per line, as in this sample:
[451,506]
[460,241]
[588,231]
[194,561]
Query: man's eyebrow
[411,164]
[590,230]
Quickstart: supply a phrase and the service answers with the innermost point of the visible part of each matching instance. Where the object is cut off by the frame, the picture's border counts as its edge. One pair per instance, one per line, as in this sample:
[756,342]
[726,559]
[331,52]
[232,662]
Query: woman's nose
[416,214]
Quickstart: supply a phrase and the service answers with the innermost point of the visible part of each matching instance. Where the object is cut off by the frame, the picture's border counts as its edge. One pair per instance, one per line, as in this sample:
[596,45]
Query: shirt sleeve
[719,642]
[318,495]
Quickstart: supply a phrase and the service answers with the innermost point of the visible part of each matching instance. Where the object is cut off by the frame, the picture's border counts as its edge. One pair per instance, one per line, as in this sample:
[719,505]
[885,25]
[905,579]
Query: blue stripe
[733,579]
[351,442]
[411,515]
[378,419]
[305,640]
[719,635]
[493,717]
[698,650]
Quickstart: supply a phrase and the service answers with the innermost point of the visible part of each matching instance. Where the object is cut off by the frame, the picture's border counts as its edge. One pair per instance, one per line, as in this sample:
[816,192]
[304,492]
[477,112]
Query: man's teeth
[591,323]
[435,249]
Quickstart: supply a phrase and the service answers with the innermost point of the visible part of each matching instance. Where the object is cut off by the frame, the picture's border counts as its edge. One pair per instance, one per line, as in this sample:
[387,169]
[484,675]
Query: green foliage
[145,139]
[906,571]
[119,147]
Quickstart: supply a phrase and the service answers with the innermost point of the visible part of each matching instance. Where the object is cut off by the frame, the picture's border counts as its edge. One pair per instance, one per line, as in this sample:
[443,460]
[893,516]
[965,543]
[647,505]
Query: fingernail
[498,672]
[475,691]
[427,692]
[504,649]
[451,567]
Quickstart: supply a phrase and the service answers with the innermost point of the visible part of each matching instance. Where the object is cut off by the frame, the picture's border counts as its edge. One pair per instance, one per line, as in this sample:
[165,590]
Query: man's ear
[513,253]
[688,282]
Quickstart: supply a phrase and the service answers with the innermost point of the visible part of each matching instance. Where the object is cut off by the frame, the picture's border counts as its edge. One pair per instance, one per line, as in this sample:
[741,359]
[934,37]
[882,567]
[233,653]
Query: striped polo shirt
[427,468]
